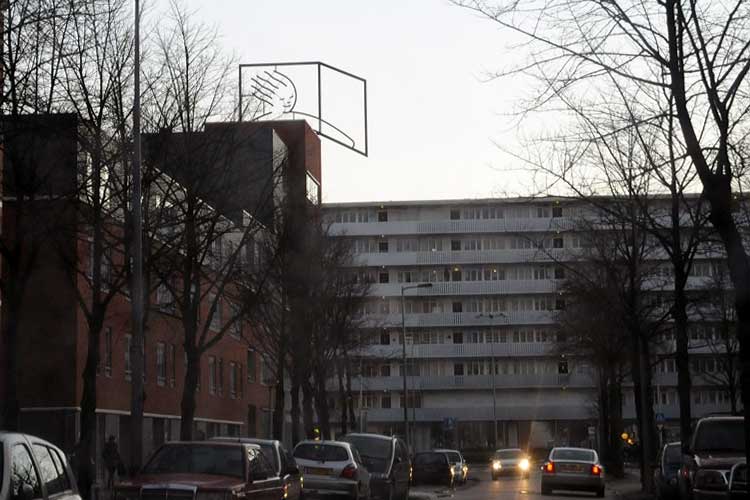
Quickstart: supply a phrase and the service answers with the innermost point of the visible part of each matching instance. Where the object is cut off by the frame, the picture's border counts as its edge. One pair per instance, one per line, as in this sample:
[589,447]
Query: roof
[246,440]
[370,435]
[572,448]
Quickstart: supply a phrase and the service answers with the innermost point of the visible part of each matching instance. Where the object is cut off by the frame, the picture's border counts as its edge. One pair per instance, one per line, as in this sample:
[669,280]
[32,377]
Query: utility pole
[137,346]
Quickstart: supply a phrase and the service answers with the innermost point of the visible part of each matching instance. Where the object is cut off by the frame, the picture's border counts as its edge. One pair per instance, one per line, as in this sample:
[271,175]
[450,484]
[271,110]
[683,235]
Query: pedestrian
[111,457]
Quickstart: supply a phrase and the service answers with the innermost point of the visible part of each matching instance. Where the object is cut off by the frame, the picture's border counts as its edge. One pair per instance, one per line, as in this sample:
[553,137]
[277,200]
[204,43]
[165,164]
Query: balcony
[482,413]
[452,226]
[422,351]
[452,288]
[473,382]
[450,258]
[461,319]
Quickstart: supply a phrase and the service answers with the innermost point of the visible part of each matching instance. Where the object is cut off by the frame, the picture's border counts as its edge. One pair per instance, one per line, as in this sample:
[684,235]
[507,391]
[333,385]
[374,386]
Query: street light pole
[403,353]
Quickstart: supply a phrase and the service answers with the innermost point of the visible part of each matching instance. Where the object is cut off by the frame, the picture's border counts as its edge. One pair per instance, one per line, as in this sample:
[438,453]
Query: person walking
[111,457]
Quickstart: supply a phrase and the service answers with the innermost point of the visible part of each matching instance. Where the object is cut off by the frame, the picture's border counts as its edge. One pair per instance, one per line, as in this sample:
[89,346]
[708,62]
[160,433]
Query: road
[482,487]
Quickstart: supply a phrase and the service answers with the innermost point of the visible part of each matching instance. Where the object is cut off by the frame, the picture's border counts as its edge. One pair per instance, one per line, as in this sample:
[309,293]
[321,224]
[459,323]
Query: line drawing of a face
[276,91]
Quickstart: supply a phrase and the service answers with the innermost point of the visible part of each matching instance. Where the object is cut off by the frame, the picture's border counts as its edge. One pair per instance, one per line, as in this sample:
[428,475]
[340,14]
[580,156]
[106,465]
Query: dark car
[718,444]
[281,460]
[665,475]
[204,469]
[31,468]
[387,460]
[433,467]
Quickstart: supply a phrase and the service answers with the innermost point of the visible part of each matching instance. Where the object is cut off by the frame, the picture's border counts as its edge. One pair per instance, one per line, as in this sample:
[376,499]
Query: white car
[460,467]
[332,469]
[510,461]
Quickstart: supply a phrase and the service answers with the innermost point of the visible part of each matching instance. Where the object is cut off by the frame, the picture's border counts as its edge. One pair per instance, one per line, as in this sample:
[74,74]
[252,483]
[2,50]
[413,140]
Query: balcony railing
[501,287]
[500,349]
[450,382]
[462,319]
[449,258]
[452,226]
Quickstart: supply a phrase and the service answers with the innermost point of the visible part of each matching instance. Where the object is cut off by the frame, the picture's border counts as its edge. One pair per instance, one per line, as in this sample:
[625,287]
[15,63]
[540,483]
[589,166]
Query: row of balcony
[461,319]
[453,226]
[473,382]
[511,256]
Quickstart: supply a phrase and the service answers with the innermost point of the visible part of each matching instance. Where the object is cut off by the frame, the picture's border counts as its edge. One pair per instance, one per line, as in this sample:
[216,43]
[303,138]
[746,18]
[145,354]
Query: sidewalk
[628,487]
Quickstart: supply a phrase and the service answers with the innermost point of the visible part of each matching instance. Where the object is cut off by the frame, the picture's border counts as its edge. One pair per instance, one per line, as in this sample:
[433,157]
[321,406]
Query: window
[557,243]
[108,352]
[220,376]
[171,363]
[48,470]
[455,214]
[385,401]
[60,464]
[385,370]
[458,369]
[216,320]
[557,211]
[456,274]
[455,245]
[383,246]
[22,472]
[383,277]
[128,366]
[382,216]
[559,273]
[161,363]
[457,307]
[385,338]
[211,375]
[458,337]
[251,366]
[232,380]
[252,421]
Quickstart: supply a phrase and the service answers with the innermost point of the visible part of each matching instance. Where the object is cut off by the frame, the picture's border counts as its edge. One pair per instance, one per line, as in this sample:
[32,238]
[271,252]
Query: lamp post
[492,372]
[403,353]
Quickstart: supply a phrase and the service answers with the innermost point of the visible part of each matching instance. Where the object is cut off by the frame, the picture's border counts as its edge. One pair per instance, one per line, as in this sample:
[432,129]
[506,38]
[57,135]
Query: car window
[269,451]
[321,452]
[579,455]
[61,465]
[197,459]
[259,465]
[401,452]
[430,459]
[720,435]
[508,454]
[48,470]
[453,456]
[23,471]
[375,452]
[290,461]
[673,454]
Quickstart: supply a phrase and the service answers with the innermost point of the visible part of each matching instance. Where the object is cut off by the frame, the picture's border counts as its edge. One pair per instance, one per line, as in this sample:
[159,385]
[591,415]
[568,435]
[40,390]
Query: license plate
[318,471]
[571,468]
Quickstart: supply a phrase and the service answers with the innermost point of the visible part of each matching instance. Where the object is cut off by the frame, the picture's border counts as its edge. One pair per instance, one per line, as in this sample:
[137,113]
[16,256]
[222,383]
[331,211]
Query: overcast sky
[432,118]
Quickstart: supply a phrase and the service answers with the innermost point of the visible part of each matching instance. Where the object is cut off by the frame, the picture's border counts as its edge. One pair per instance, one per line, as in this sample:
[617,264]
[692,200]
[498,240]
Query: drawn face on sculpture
[276,91]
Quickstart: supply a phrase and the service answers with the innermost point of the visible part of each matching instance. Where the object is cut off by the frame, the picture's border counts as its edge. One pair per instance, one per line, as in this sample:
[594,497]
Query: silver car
[460,468]
[510,461]
[576,469]
[332,468]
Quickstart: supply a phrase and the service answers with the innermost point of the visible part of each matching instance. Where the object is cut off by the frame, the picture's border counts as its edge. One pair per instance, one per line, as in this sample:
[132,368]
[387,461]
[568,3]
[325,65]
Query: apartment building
[481,337]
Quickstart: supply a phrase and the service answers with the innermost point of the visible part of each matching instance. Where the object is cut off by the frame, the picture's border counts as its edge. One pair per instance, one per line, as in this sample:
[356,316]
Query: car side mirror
[27,492]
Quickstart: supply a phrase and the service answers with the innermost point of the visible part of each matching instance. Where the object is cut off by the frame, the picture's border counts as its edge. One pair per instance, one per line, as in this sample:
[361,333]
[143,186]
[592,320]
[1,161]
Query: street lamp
[403,353]
[492,372]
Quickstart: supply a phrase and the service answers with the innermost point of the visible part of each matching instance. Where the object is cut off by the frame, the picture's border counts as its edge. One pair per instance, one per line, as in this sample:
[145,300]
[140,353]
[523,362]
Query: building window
[455,214]
[385,401]
[458,369]
[211,375]
[383,216]
[251,366]
[236,319]
[383,246]
[108,352]
[557,211]
[161,363]
[458,307]
[164,298]
[385,370]
[220,376]
[385,338]
[455,245]
[383,277]
[232,380]
[216,321]
[458,337]
[559,273]
[557,243]
[128,366]
[171,361]
[456,274]
[252,421]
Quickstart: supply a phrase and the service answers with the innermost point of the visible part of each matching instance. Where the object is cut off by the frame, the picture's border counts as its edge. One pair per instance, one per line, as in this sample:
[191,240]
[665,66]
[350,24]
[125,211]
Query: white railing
[452,226]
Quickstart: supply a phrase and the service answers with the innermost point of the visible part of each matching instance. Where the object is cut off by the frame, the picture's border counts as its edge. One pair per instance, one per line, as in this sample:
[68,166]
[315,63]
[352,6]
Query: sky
[434,120]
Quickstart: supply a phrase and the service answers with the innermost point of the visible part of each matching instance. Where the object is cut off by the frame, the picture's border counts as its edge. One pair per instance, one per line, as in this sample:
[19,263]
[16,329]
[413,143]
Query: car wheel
[600,493]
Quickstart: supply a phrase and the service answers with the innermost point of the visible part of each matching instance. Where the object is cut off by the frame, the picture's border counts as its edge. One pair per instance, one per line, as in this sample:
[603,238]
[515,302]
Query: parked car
[332,468]
[32,468]
[460,467]
[387,461]
[281,460]
[510,461]
[575,469]
[433,467]
[718,444]
[204,469]
[665,475]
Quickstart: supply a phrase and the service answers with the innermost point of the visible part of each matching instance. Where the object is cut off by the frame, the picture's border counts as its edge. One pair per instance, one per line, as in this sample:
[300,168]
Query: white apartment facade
[495,290]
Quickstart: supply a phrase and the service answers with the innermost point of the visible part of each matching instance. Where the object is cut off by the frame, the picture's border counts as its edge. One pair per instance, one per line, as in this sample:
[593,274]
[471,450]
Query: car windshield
[375,452]
[720,435]
[197,459]
[321,452]
[453,456]
[673,454]
[429,459]
[508,454]
[269,452]
[577,455]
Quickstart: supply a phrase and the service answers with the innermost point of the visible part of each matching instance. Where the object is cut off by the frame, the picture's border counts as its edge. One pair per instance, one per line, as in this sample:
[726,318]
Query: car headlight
[524,464]
[496,465]
[706,479]
[465,468]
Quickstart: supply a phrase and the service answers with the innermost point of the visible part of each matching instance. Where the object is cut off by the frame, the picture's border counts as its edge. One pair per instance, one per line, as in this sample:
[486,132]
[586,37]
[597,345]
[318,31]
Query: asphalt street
[482,487]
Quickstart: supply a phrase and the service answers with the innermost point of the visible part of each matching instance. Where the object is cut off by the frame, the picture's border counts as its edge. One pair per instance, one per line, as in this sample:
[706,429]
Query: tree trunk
[635,371]
[617,468]
[682,356]
[604,422]
[648,432]
[11,410]
[279,403]
[342,398]
[350,397]
[187,405]
[307,409]
[295,410]
[321,406]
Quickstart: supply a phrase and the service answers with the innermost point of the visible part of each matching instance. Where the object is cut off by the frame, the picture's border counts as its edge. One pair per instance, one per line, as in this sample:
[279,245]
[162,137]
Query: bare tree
[693,54]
